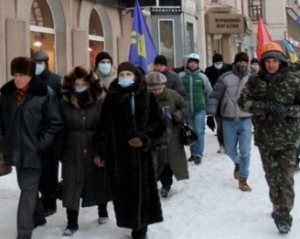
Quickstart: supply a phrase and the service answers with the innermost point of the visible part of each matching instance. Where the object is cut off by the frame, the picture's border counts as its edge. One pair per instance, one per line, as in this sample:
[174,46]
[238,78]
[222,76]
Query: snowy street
[208,206]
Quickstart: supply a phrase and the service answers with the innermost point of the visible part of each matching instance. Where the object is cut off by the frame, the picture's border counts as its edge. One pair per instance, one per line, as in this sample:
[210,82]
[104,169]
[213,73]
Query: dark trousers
[166,177]
[29,203]
[49,180]
[219,130]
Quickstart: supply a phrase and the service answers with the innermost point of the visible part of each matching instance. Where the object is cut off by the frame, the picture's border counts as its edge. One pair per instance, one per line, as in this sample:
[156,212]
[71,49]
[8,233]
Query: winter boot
[72,226]
[236,171]
[221,150]
[283,226]
[139,233]
[197,160]
[243,186]
[192,158]
[102,213]
[165,191]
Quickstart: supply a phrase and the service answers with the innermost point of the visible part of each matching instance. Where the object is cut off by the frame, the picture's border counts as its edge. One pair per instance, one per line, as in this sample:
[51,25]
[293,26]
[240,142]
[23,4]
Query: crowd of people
[117,133]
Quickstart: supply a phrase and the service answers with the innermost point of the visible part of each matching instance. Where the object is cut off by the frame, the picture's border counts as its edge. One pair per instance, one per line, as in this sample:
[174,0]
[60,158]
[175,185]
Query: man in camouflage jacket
[272,96]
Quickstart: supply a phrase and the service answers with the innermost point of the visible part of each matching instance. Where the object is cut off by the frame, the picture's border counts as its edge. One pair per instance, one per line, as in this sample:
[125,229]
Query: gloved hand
[278,112]
[175,119]
[210,122]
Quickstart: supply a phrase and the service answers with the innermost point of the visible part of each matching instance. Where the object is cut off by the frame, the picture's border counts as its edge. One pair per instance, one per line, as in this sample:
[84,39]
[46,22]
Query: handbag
[4,167]
[188,135]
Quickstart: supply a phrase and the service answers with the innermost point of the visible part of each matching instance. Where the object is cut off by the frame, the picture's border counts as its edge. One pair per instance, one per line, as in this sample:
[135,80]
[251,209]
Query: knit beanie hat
[102,55]
[241,56]
[254,60]
[127,66]
[155,80]
[217,58]
[160,59]
[22,65]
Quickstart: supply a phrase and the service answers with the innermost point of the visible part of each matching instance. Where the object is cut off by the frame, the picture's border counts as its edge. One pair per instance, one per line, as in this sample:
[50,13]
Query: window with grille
[256,9]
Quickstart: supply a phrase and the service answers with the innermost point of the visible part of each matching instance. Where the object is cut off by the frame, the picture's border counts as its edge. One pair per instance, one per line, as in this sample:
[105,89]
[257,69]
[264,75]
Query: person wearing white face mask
[254,66]
[131,124]
[104,69]
[49,177]
[83,180]
[213,72]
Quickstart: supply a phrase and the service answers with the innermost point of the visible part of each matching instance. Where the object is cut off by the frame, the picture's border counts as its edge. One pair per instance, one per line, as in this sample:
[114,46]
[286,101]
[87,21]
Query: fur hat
[155,80]
[160,59]
[22,65]
[217,58]
[102,55]
[127,66]
[241,56]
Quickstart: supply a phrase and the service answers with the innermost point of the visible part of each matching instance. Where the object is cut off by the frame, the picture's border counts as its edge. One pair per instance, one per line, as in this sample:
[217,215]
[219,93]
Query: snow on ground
[208,206]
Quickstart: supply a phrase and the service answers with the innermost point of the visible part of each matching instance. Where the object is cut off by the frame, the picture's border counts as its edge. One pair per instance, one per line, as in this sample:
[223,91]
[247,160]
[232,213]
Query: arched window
[96,36]
[42,30]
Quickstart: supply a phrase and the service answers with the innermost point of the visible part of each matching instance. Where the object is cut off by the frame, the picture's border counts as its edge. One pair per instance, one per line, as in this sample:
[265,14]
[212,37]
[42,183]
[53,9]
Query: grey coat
[226,93]
[174,154]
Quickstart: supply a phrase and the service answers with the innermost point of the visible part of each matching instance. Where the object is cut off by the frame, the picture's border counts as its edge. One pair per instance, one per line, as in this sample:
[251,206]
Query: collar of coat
[36,87]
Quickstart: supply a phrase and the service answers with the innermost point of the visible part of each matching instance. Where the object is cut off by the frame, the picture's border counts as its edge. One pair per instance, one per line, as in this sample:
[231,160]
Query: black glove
[175,120]
[278,112]
[210,122]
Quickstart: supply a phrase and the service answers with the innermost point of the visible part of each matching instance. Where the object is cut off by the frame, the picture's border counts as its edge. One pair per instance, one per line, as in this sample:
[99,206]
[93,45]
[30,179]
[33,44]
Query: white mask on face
[104,68]
[255,67]
[39,68]
[218,65]
[80,89]
[125,81]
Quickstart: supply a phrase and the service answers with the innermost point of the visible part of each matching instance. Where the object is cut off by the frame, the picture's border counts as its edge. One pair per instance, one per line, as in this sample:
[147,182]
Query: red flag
[263,36]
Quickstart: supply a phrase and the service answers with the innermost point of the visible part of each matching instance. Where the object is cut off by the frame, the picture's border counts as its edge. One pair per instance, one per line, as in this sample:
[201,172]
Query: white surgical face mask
[255,67]
[104,68]
[80,89]
[39,68]
[125,81]
[218,65]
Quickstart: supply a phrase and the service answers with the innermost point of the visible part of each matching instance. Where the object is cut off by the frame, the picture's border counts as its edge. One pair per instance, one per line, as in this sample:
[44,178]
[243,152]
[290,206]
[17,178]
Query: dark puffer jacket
[134,189]
[29,127]
[53,80]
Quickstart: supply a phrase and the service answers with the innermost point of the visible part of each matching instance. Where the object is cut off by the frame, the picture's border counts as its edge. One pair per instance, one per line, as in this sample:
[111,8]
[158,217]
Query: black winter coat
[81,177]
[134,189]
[213,74]
[29,127]
[53,80]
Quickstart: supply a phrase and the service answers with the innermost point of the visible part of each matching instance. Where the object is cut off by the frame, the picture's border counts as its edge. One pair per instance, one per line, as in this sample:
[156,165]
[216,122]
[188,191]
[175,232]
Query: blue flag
[142,49]
[298,20]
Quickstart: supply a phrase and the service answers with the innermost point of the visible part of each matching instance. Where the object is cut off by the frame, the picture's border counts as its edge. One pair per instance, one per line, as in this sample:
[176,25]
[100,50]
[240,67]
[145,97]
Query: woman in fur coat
[82,178]
[171,159]
[131,123]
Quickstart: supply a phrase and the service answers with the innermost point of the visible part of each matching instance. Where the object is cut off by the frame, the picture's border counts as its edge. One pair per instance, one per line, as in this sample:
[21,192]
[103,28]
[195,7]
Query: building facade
[71,32]
[281,18]
[228,29]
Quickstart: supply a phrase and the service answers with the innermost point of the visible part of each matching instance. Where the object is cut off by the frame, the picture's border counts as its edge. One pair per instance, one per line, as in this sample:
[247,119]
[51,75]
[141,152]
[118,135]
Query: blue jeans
[197,121]
[237,140]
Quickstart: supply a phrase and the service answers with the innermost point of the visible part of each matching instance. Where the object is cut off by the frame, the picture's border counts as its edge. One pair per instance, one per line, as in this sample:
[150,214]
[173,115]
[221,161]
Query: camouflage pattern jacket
[259,93]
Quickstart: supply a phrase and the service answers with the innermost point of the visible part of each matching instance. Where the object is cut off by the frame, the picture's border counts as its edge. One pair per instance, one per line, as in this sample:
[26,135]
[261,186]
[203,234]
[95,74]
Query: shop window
[96,37]
[166,40]
[168,3]
[42,32]
[256,9]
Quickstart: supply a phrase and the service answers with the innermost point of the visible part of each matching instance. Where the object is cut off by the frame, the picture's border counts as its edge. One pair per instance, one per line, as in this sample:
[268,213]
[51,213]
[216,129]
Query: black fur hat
[22,65]
[102,55]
